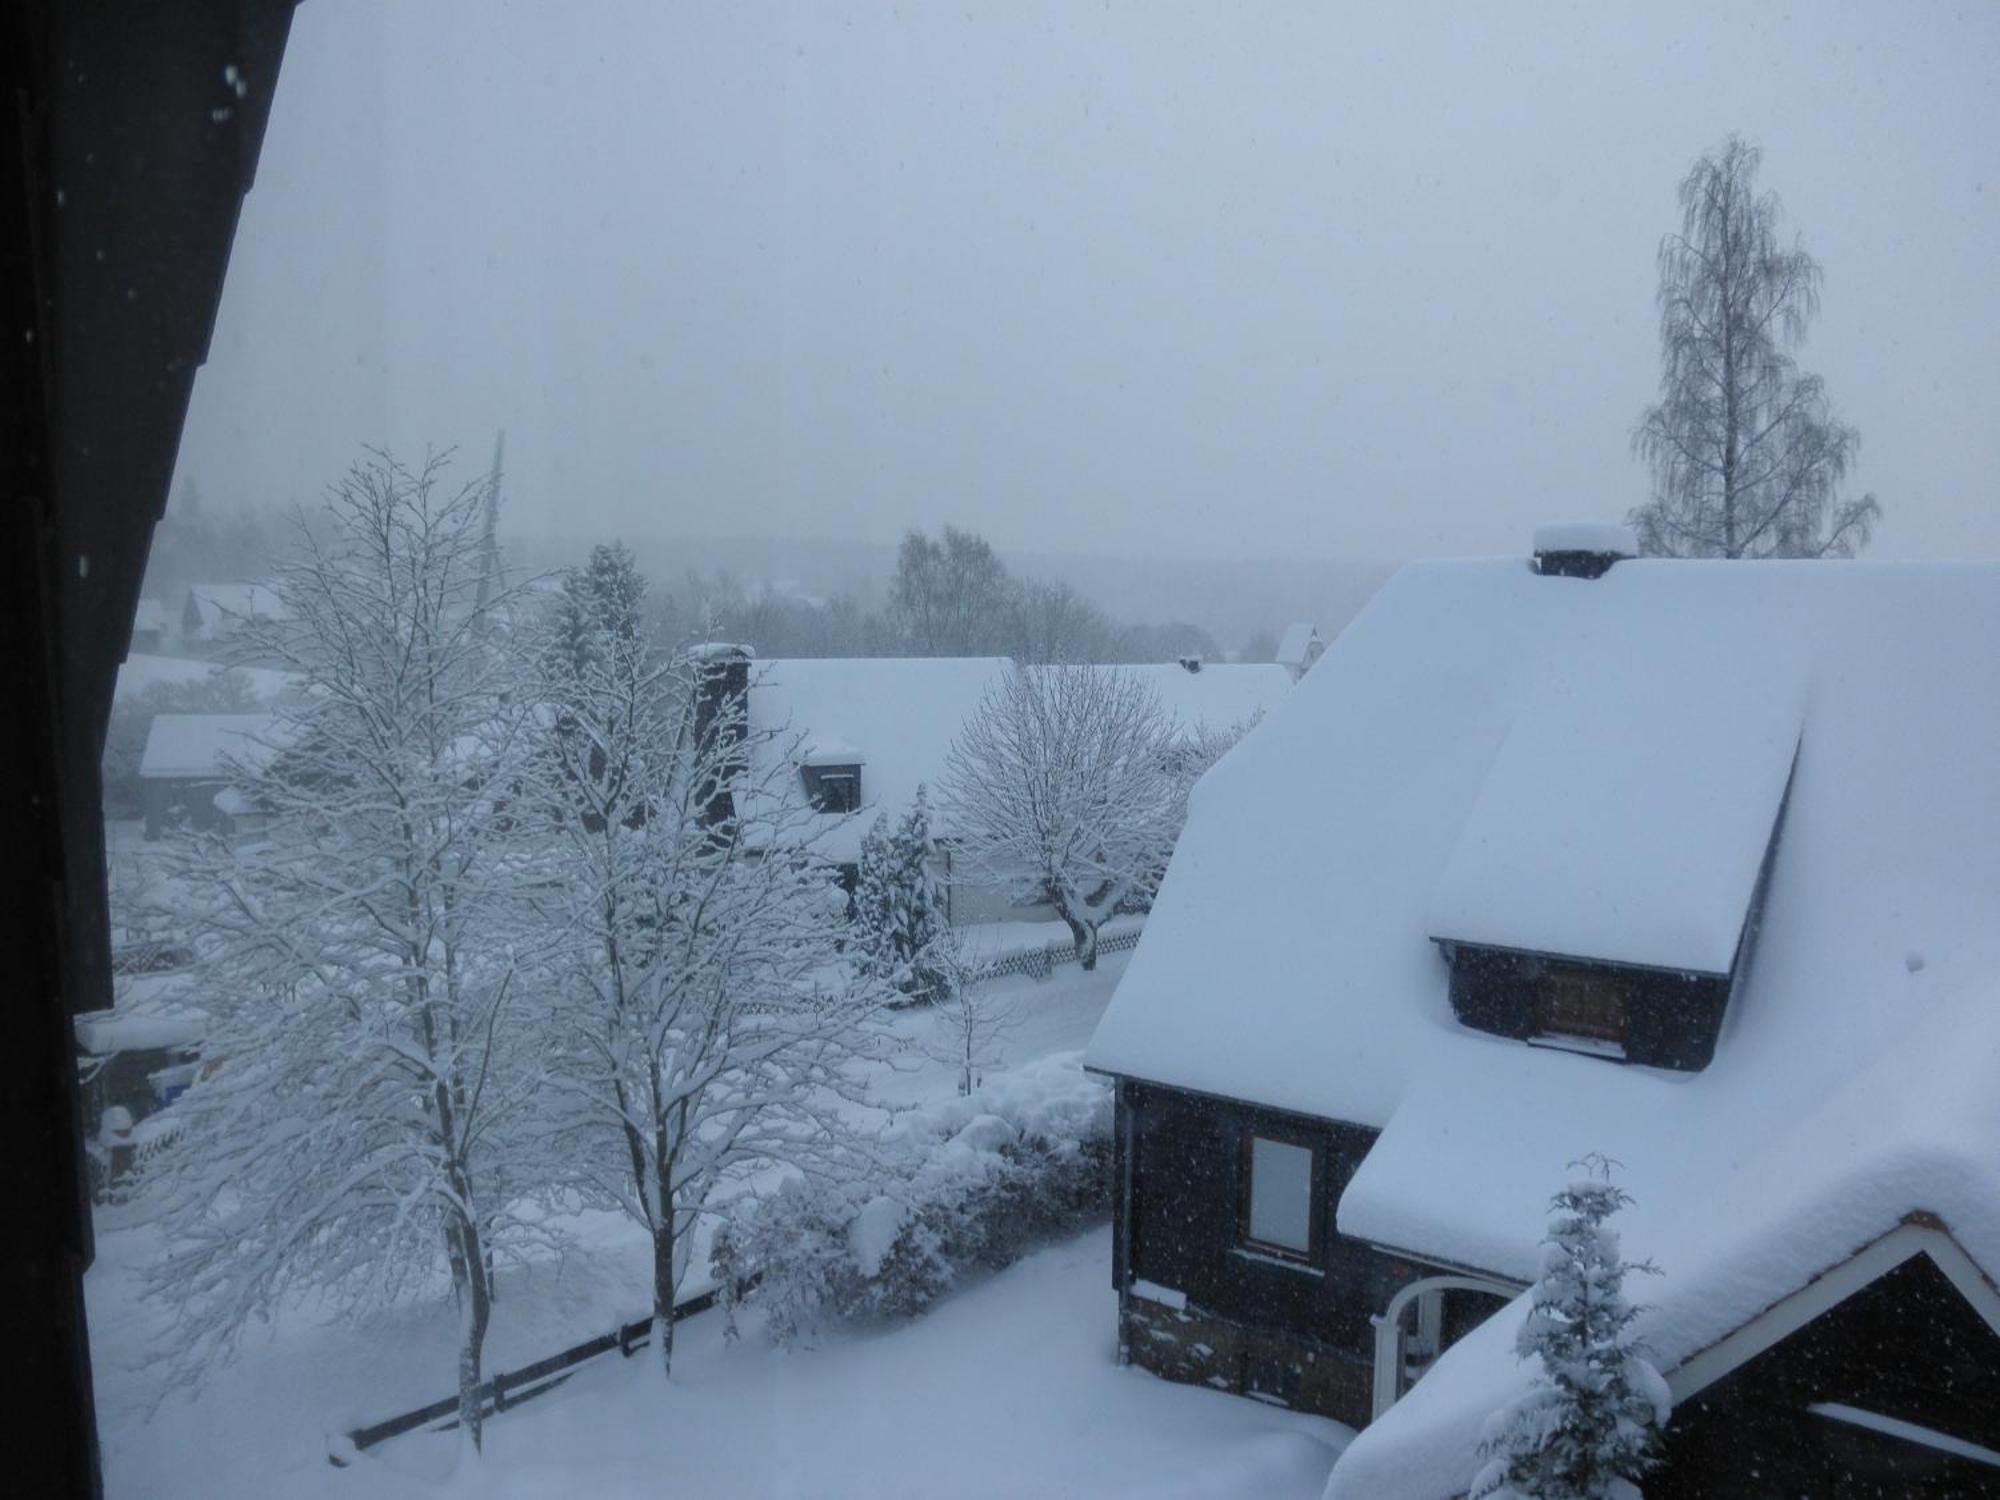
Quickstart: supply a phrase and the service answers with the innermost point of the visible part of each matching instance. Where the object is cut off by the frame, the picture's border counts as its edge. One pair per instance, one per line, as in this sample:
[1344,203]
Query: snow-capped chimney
[1582,549]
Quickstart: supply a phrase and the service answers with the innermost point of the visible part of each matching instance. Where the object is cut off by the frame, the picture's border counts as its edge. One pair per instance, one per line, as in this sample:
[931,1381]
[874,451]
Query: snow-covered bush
[898,910]
[957,1188]
[1589,1429]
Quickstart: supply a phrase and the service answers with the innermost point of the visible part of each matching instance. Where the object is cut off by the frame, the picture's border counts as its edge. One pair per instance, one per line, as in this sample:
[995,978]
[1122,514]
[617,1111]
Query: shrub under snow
[958,1187]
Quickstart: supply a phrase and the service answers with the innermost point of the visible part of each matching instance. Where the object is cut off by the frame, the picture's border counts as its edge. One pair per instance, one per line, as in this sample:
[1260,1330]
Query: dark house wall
[1298,1334]
[183,802]
[1674,1018]
[1907,1347]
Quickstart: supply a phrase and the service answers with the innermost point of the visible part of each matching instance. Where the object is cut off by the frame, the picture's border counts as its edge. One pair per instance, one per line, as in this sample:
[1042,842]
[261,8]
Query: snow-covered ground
[1007,1389]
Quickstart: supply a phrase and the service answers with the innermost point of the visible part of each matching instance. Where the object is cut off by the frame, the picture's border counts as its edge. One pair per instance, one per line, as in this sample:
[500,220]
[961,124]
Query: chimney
[1191,663]
[721,718]
[1582,549]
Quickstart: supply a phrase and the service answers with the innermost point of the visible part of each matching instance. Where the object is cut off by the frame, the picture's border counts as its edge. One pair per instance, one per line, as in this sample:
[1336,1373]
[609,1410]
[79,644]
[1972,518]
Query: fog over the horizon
[1227,280]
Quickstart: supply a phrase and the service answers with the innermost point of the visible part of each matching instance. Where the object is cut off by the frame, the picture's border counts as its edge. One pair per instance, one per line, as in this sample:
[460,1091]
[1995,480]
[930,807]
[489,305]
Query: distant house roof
[1218,696]
[894,716]
[1295,646]
[151,615]
[202,747]
[140,671]
[214,605]
[1289,957]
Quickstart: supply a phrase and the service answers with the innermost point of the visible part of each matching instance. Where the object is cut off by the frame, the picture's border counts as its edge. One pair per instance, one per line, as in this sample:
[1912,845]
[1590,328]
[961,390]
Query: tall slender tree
[1590,1427]
[1747,455]
[360,1124]
[701,1022]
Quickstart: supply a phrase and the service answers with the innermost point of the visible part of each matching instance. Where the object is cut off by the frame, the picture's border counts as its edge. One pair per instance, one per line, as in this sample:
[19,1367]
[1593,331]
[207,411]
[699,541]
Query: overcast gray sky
[1218,280]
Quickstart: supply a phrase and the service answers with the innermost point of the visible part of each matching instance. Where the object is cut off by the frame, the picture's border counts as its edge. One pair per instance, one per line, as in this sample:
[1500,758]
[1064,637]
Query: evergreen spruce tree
[1589,1430]
[897,906]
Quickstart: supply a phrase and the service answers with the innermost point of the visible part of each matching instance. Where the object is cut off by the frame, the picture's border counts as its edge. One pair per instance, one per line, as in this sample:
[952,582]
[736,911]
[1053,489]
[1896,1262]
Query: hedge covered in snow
[954,1188]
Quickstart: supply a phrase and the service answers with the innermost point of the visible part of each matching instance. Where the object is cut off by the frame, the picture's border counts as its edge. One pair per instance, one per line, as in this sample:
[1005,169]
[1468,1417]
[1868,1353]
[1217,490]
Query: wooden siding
[1907,1347]
[1299,1331]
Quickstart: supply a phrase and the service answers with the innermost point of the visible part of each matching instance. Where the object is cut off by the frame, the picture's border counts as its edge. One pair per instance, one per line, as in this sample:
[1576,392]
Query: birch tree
[1746,452]
[356,1131]
[705,1024]
[1060,788]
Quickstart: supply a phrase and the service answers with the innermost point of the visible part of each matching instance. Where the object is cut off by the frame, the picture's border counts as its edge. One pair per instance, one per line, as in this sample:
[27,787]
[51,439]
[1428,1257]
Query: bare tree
[952,597]
[703,1021]
[1747,455]
[970,1018]
[1054,623]
[356,1124]
[1060,788]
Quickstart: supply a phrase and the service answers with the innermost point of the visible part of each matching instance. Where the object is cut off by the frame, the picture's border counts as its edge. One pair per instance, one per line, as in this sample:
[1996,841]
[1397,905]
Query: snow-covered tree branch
[1747,454]
[357,1128]
[704,1022]
[1061,788]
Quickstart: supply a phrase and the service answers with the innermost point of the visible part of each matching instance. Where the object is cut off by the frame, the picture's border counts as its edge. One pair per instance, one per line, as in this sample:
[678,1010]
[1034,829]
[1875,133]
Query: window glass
[1281,1188]
[1574,1004]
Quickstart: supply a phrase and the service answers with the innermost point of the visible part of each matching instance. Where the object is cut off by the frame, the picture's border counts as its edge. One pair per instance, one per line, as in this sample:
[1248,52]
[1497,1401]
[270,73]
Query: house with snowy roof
[150,624]
[184,772]
[1695,865]
[858,736]
[1299,647]
[212,612]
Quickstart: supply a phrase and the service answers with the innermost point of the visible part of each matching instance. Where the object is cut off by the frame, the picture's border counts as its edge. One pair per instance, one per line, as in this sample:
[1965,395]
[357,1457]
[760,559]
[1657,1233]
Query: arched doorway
[1423,1320]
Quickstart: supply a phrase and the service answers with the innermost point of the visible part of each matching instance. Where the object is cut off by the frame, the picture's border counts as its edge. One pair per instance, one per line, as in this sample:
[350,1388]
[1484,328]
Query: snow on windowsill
[1265,1258]
[1166,1296]
[1587,1045]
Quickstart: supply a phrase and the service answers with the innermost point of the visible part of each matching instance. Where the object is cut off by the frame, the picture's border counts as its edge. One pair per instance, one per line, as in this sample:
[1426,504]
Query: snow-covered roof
[220,603]
[151,615]
[140,671]
[1289,958]
[1611,537]
[1626,815]
[203,746]
[831,753]
[1220,696]
[894,716]
[1295,645]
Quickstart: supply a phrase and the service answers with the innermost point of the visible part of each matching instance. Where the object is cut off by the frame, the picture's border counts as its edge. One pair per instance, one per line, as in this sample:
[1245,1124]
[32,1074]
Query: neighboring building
[212,612]
[861,734]
[1692,864]
[1198,696]
[150,626]
[185,770]
[1299,647]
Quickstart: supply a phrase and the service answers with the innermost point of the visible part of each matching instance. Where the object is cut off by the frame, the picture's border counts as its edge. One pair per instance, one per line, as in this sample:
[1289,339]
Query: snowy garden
[526,1005]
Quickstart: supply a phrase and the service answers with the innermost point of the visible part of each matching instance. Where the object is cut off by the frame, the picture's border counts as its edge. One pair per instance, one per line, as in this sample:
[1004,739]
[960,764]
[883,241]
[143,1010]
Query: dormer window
[832,775]
[1581,1006]
[837,789]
